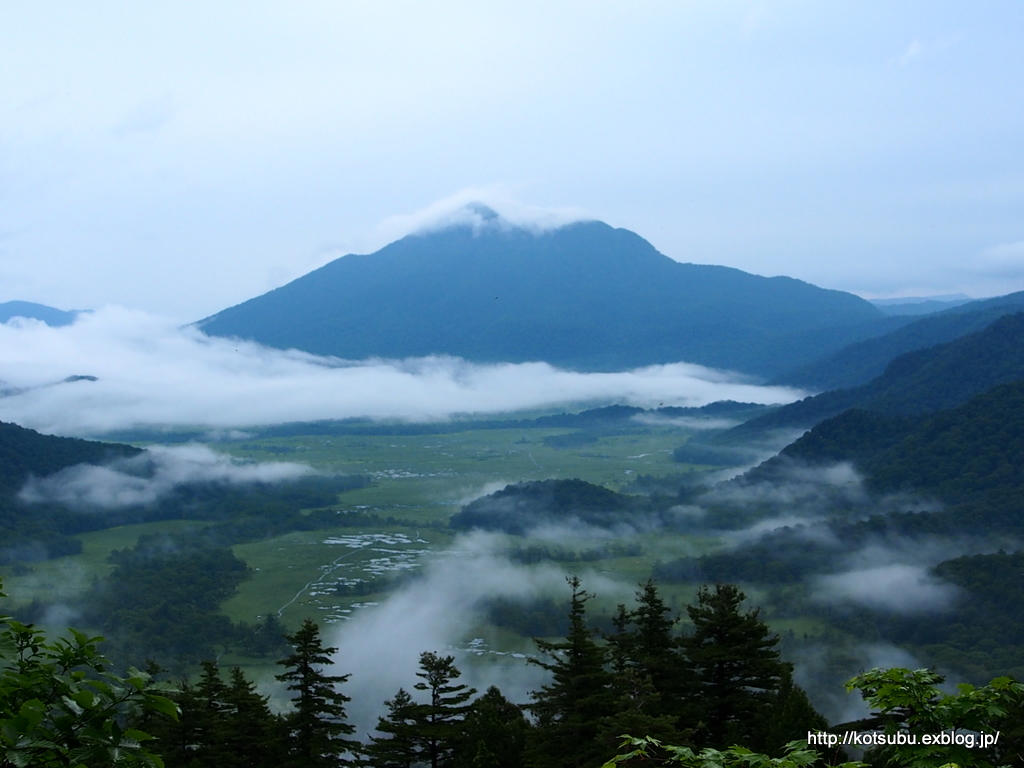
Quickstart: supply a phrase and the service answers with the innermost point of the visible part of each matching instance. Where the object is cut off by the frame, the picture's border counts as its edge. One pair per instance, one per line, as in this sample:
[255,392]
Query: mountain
[921,305]
[48,315]
[584,296]
[25,452]
[917,382]
[864,360]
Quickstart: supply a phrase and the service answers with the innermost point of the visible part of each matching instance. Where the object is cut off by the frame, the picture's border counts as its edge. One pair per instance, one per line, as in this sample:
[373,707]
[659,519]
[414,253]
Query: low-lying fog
[117,369]
[149,372]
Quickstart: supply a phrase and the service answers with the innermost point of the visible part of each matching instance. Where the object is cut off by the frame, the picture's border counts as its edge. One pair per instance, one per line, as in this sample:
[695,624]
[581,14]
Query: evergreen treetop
[735,666]
[317,726]
[570,709]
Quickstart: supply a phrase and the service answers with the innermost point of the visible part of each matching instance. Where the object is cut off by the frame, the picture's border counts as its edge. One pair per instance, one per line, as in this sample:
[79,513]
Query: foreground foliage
[910,703]
[695,698]
[650,751]
[59,706]
[907,705]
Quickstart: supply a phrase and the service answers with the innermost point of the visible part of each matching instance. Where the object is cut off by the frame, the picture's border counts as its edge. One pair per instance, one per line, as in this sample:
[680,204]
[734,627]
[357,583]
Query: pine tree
[176,740]
[494,733]
[735,666]
[439,721]
[398,749]
[791,716]
[197,738]
[255,736]
[317,727]
[569,710]
[650,672]
[645,647]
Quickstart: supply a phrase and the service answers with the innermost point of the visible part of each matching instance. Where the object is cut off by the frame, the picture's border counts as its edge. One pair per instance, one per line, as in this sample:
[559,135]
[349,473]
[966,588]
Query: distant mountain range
[862,361]
[921,305]
[584,296]
[28,309]
[922,381]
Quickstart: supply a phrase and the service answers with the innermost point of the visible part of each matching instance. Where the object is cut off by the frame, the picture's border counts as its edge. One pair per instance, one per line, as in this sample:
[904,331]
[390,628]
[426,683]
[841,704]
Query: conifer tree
[221,725]
[735,666]
[255,736]
[398,747]
[438,727]
[645,647]
[570,709]
[316,728]
[175,740]
[211,720]
[494,733]
[650,672]
[791,716]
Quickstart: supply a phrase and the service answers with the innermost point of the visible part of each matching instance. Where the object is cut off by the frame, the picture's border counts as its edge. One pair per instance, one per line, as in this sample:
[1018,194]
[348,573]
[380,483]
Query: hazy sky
[182,157]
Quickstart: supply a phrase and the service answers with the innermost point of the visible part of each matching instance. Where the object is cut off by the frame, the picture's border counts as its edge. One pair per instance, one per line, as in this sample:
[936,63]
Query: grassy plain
[420,481]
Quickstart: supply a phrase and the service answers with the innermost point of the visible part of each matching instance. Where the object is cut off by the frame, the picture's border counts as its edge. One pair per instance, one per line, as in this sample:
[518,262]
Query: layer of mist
[381,645]
[145,479]
[145,371]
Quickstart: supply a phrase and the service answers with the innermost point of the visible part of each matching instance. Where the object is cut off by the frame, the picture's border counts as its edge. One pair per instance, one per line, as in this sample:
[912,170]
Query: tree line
[691,698]
[721,684]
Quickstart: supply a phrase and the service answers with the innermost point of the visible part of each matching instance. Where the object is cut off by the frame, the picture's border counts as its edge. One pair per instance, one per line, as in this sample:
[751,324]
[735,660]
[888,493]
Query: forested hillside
[970,456]
[932,483]
[918,382]
[46,530]
[862,361]
[25,452]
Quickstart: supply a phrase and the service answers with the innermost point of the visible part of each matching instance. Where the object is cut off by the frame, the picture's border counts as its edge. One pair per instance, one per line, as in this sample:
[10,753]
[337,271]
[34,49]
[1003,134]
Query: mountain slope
[25,452]
[970,454]
[864,360]
[37,533]
[48,315]
[918,382]
[585,296]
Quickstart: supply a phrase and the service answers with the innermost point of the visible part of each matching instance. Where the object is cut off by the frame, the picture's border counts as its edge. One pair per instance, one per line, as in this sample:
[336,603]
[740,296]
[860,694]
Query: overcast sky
[182,157]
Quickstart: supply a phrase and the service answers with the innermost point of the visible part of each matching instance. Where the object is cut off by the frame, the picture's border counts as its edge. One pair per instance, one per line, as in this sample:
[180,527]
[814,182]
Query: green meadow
[421,480]
[331,574]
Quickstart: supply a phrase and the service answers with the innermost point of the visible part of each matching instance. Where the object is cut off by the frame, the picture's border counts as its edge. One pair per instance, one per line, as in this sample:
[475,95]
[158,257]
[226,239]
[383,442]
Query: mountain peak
[475,216]
[485,212]
[492,287]
[503,219]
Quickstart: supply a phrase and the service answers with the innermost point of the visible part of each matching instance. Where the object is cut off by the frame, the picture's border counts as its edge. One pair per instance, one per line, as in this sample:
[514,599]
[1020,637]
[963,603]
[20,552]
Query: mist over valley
[437,503]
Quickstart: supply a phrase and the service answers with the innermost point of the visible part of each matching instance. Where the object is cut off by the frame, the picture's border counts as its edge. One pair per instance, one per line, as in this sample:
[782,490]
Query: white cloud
[148,477]
[152,373]
[458,209]
[688,422]
[914,50]
[899,588]
[151,115]
[918,49]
